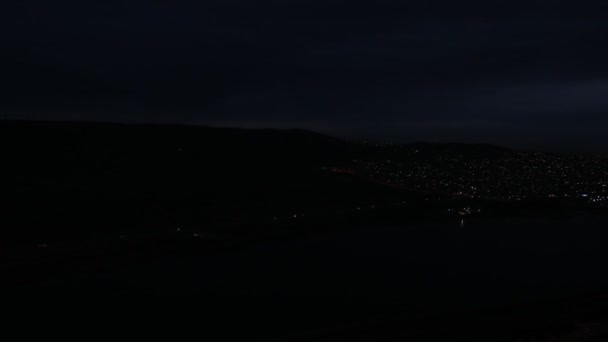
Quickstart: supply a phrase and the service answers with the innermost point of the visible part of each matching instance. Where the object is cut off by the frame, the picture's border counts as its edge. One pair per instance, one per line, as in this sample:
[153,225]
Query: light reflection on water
[490,259]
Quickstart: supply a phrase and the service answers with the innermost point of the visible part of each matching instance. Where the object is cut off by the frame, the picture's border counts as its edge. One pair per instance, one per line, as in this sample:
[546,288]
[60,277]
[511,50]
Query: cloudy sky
[517,73]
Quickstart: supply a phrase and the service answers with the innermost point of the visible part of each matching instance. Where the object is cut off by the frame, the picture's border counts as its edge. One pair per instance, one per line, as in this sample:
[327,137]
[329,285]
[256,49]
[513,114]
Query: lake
[376,271]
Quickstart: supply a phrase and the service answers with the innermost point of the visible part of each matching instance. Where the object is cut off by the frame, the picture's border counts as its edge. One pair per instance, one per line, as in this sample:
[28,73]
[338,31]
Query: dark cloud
[499,72]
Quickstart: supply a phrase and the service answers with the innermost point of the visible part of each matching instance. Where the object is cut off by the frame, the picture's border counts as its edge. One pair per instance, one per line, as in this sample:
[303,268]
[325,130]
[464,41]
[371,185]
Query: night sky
[528,74]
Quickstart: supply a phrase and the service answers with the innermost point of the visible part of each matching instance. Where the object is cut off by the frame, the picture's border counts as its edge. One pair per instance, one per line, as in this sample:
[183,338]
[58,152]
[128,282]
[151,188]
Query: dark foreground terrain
[291,235]
[491,279]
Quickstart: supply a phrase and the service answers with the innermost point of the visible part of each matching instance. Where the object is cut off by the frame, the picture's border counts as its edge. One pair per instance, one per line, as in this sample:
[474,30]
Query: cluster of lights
[514,176]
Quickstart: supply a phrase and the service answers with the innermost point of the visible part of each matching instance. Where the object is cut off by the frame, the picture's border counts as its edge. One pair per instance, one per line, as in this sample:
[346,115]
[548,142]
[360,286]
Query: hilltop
[81,177]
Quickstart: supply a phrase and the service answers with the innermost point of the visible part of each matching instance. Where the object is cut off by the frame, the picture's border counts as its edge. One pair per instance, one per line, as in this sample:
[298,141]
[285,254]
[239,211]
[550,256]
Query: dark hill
[132,160]
[464,150]
[80,176]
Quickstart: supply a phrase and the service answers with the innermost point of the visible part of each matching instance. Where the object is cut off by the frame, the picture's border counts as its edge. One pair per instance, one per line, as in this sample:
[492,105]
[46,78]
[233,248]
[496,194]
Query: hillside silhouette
[79,178]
